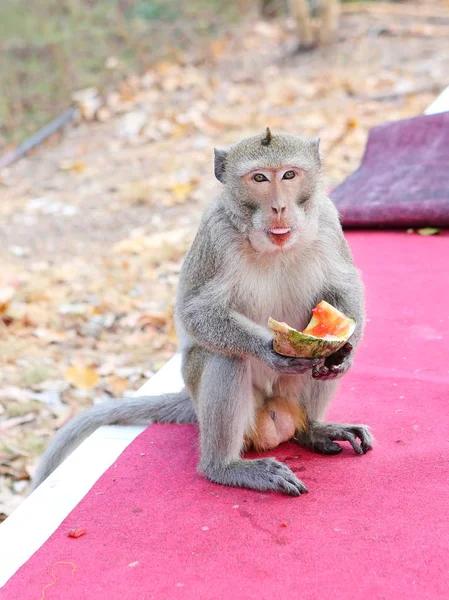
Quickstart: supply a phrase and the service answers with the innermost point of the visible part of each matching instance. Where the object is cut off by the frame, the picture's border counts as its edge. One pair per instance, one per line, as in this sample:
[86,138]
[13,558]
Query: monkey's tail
[168,408]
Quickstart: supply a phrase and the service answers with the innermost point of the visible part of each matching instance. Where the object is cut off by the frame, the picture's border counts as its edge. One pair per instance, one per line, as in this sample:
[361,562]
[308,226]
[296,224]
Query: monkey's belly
[276,422]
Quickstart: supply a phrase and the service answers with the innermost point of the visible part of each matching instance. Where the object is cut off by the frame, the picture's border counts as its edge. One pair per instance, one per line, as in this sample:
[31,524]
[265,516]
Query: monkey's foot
[259,474]
[321,437]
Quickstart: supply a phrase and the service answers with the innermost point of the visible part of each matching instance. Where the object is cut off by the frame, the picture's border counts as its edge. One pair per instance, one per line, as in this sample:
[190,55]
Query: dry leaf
[352,123]
[167,245]
[116,385]
[83,378]
[135,192]
[77,166]
[182,191]
[103,114]
[131,124]
[156,319]
[88,102]
[429,231]
[6,295]
[135,245]
[218,48]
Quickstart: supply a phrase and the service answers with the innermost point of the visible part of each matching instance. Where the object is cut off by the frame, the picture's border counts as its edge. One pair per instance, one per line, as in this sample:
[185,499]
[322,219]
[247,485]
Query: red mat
[374,526]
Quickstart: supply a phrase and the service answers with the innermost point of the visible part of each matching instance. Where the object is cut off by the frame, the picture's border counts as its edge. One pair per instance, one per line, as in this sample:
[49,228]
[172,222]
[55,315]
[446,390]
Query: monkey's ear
[220,157]
[315,145]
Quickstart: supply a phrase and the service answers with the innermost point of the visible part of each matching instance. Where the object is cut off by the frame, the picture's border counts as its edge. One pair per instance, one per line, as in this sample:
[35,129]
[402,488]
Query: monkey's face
[273,184]
[276,199]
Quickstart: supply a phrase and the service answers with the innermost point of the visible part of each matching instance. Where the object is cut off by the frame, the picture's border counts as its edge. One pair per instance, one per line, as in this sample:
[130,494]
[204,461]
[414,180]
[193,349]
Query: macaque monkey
[270,245]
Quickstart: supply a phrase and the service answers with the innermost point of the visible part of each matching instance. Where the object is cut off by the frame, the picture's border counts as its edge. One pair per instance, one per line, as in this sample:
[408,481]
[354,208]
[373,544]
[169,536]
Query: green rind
[289,342]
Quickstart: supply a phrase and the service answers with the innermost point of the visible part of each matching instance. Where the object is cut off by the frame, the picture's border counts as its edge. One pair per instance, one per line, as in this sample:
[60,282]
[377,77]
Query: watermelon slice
[328,330]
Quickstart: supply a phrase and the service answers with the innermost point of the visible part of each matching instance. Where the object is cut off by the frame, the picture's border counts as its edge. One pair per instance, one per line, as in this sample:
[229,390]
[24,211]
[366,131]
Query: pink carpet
[374,526]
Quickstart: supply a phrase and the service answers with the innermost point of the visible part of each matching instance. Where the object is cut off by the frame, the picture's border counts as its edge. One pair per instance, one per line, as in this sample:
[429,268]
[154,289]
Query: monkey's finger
[336,370]
[323,373]
[328,372]
[350,437]
[346,349]
[306,363]
[292,485]
[287,480]
[291,478]
[340,356]
[293,489]
[365,437]
[295,366]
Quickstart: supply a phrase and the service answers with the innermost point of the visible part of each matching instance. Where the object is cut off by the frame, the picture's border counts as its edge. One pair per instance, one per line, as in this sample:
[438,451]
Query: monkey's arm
[222,330]
[345,292]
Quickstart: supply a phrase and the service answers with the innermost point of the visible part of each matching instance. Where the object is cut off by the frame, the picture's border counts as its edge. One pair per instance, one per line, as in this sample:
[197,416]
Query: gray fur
[231,281]
[169,408]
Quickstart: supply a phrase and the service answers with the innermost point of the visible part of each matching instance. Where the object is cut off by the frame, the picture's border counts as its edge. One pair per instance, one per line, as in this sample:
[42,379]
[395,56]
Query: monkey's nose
[278,210]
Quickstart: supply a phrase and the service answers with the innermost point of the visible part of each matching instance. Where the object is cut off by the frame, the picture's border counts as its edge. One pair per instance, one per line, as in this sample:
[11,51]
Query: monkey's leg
[226,408]
[320,436]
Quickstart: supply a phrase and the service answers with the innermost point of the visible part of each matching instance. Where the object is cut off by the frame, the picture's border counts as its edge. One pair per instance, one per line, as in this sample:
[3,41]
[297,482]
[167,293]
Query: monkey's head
[273,184]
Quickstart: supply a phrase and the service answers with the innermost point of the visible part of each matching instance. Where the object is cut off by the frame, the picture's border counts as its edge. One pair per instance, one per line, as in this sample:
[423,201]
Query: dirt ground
[94,225]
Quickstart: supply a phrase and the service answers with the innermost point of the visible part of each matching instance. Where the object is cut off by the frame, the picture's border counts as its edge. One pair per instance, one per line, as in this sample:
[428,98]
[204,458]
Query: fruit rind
[290,342]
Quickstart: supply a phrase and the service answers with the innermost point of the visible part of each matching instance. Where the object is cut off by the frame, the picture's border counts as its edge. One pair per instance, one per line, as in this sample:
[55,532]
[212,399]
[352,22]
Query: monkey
[270,244]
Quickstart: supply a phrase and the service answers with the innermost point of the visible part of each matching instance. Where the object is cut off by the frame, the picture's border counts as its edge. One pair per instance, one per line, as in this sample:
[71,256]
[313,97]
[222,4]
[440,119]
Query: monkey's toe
[283,479]
[321,437]
[327,447]
[258,474]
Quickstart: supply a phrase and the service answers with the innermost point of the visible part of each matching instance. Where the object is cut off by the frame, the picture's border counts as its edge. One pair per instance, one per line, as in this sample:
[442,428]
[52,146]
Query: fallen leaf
[135,192]
[156,319]
[78,166]
[218,48]
[160,246]
[83,378]
[134,245]
[117,385]
[131,124]
[182,191]
[88,102]
[352,123]
[429,231]
[6,295]
[103,114]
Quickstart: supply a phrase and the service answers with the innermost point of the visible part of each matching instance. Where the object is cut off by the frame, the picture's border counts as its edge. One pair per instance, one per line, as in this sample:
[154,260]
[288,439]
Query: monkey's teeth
[280,231]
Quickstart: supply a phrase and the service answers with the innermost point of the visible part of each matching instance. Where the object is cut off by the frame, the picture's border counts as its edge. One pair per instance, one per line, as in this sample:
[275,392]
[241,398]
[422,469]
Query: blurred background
[95,220]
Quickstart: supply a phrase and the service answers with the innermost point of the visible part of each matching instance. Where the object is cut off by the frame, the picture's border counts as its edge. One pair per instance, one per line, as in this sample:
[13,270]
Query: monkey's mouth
[279,235]
[280,230]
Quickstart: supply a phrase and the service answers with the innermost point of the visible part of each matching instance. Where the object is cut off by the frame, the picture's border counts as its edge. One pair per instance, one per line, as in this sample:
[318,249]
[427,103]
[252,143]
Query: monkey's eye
[289,175]
[259,177]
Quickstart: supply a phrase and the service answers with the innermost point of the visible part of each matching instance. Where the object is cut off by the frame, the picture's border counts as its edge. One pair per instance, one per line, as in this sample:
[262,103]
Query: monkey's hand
[335,365]
[290,365]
